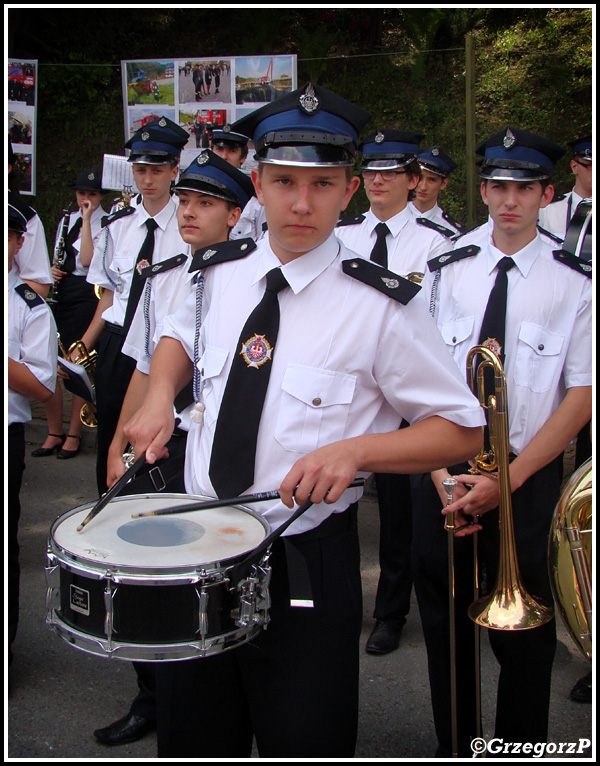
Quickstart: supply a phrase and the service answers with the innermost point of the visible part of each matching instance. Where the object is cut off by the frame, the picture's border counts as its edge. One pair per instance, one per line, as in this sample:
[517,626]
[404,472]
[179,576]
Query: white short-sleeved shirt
[117,248]
[31,340]
[437,215]
[548,327]
[251,222]
[556,216]
[96,225]
[32,261]
[410,244]
[349,361]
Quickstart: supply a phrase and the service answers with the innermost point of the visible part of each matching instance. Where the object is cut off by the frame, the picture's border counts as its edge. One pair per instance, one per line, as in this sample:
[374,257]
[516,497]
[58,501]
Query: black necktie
[232,459]
[137,282]
[494,320]
[70,254]
[379,254]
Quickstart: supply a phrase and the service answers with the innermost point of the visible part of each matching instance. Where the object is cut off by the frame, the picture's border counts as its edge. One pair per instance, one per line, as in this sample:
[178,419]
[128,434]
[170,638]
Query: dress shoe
[385,636]
[582,691]
[46,451]
[65,454]
[130,728]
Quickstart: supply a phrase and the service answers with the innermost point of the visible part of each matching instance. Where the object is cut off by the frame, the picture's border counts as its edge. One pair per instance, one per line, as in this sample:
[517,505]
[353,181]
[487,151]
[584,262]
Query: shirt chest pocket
[538,357]
[314,407]
[456,333]
[212,380]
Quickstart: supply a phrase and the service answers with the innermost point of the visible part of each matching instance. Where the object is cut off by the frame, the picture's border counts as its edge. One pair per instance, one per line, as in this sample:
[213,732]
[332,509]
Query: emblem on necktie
[141,265]
[493,346]
[256,351]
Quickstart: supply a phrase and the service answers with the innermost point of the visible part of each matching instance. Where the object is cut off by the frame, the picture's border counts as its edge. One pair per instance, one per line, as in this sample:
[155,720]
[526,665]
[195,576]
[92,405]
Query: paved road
[60,695]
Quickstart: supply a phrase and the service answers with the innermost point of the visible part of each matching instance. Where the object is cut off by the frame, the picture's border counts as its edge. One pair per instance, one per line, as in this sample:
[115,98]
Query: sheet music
[117,174]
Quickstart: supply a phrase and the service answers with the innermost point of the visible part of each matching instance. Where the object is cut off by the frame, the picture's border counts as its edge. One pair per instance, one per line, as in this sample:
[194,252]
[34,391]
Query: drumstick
[115,489]
[221,503]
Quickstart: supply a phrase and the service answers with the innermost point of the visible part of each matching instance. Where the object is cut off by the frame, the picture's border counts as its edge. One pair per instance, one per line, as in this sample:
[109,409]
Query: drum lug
[254,597]
[202,614]
[53,583]
[109,594]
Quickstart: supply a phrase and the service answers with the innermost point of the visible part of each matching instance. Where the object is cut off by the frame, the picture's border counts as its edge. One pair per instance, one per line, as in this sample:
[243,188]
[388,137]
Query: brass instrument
[88,360]
[509,607]
[570,557]
[415,276]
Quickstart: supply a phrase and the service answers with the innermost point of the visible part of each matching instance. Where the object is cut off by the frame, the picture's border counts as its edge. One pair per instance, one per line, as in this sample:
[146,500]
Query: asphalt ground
[59,694]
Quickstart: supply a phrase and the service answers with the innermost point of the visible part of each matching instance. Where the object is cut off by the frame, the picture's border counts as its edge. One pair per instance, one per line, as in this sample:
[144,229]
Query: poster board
[22,127]
[201,93]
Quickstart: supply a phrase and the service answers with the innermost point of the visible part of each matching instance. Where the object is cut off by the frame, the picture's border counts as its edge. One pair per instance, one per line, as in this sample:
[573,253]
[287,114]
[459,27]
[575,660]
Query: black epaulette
[31,298]
[559,198]
[160,268]
[265,226]
[453,222]
[436,227]
[21,205]
[573,262]
[550,235]
[451,257]
[387,282]
[108,219]
[230,250]
[350,220]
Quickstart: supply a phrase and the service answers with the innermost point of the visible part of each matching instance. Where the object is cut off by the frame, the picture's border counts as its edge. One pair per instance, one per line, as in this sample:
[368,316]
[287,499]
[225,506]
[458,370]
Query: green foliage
[405,65]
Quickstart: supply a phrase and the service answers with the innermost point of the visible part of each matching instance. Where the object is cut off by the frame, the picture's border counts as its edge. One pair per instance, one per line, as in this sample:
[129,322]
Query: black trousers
[15,468]
[295,687]
[112,375]
[525,657]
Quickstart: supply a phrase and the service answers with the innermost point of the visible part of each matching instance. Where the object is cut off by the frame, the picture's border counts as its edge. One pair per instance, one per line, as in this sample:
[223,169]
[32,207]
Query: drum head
[178,541]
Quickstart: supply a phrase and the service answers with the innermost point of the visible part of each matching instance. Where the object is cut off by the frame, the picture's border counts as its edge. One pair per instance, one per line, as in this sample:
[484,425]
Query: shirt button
[454,339]
[316,401]
[541,347]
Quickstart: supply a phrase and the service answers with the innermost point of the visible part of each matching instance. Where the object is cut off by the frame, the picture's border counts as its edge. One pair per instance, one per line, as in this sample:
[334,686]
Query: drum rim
[117,569]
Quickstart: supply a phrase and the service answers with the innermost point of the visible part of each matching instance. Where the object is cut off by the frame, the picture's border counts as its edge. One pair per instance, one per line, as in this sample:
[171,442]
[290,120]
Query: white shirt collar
[162,218]
[395,224]
[524,258]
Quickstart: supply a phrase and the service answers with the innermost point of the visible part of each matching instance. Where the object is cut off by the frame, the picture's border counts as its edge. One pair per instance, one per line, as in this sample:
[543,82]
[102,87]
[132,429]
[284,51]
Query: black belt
[117,329]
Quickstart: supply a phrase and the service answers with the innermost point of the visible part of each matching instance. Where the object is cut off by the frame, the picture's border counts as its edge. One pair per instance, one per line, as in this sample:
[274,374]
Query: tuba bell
[570,557]
[87,359]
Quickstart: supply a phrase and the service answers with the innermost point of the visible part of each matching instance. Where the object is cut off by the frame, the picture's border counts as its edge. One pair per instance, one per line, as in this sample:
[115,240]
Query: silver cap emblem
[309,102]
[145,136]
[435,151]
[509,139]
[202,159]
[379,138]
[91,177]
[162,122]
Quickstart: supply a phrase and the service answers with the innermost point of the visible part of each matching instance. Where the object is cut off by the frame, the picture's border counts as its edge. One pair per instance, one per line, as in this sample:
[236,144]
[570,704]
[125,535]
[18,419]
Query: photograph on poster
[150,82]
[260,79]
[205,80]
[19,128]
[199,123]
[21,82]
[140,116]
[22,163]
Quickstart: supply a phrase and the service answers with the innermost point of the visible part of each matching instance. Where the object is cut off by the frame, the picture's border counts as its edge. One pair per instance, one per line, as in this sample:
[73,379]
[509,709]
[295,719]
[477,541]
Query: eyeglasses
[387,175]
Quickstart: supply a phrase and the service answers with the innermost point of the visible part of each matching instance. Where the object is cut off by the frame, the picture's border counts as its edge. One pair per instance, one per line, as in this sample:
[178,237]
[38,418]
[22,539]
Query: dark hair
[413,169]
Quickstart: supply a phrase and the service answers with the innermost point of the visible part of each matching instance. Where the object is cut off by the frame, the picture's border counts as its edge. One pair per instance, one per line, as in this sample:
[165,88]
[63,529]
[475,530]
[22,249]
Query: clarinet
[59,257]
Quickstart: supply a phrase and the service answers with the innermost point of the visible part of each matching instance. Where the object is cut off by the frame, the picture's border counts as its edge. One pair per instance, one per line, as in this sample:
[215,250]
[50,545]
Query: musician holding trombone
[347,352]
[547,356]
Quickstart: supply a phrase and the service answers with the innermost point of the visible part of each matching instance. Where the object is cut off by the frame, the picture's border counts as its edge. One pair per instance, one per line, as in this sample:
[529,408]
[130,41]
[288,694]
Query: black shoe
[128,729]
[385,637]
[582,691]
[65,454]
[47,451]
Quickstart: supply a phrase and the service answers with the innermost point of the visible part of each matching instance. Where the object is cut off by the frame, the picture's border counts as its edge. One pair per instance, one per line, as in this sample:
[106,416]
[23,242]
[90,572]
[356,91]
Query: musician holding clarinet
[73,302]
[309,358]
[520,295]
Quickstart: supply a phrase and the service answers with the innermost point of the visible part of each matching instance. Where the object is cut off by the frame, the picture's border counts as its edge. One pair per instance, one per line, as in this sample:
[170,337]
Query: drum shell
[153,613]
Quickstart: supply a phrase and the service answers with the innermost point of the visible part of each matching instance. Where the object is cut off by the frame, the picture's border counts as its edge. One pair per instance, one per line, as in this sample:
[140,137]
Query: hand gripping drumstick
[114,490]
[206,505]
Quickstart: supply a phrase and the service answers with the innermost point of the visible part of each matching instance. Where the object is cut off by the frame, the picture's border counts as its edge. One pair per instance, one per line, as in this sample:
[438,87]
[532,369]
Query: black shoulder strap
[553,237]
[436,227]
[573,262]
[453,222]
[350,220]
[160,268]
[222,252]
[387,282]
[30,297]
[451,257]
[108,219]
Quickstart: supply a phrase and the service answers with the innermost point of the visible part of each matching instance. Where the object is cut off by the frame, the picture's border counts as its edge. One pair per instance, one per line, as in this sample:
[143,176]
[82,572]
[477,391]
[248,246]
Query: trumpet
[509,607]
[87,359]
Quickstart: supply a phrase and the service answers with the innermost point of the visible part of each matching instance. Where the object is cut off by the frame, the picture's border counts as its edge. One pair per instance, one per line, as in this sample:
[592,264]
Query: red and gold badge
[256,351]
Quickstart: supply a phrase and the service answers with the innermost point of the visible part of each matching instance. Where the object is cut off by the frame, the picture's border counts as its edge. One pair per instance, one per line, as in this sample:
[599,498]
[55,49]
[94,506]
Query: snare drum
[157,588]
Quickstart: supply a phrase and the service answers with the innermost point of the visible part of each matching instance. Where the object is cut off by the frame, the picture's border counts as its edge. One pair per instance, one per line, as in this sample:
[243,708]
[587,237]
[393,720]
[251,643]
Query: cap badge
[379,138]
[162,122]
[145,136]
[509,139]
[256,351]
[309,102]
[435,151]
[392,284]
[202,159]
[226,128]
[91,177]
[208,254]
